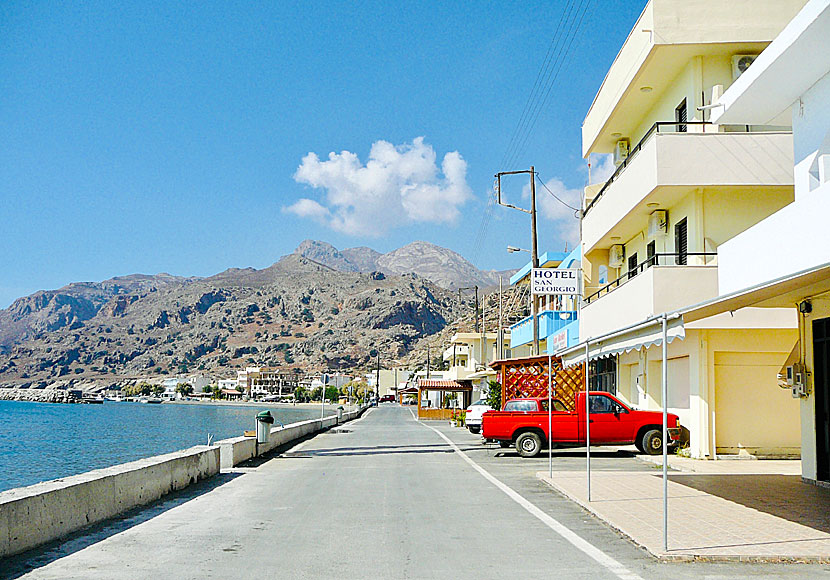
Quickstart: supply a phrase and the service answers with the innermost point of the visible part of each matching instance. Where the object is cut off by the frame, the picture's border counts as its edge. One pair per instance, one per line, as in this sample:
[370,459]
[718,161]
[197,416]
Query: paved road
[386,497]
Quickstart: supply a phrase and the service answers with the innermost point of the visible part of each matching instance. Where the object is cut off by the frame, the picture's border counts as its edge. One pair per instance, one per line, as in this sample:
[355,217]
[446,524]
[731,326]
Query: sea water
[44,441]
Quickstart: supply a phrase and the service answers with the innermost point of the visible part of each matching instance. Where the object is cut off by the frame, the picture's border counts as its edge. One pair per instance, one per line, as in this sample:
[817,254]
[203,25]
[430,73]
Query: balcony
[656,285]
[666,165]
[550,322]
[457,351]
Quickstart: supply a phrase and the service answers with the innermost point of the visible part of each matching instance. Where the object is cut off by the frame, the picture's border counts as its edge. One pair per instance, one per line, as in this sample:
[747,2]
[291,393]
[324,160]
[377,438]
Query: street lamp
[513,250]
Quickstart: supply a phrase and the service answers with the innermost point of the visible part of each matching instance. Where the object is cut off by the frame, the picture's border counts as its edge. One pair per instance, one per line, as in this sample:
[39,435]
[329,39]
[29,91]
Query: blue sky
[167,137]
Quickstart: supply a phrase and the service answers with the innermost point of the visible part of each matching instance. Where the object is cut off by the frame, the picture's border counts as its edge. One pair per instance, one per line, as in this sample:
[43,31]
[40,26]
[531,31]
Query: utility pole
[476,303]
[534,246]
[427,360]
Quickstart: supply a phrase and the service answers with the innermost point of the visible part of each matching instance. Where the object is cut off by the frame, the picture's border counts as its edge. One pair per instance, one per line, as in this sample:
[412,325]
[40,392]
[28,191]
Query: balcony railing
[550,322]
[659,127]
[680,259]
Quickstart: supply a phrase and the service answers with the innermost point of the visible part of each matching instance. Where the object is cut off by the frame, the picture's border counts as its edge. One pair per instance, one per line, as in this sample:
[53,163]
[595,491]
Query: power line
[529,104]
[576,24]
[556,197]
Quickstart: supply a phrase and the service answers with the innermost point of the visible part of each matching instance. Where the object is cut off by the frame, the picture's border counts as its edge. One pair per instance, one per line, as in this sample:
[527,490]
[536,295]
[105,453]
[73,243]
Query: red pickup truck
[524,423]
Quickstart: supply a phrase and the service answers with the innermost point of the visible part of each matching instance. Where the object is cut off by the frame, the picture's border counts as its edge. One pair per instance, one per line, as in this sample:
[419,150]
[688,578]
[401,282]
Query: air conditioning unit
[616,256]
[658,223]
[621,151]
[741,62]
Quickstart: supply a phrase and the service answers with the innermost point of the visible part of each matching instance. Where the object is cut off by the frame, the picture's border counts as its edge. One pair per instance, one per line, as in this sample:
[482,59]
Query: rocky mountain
[445,267]
[293,314]
[72,305]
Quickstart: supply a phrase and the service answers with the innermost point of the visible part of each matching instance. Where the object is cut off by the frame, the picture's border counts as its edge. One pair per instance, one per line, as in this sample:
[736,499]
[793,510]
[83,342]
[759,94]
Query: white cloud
[397,185]
[564,218]
[602,167]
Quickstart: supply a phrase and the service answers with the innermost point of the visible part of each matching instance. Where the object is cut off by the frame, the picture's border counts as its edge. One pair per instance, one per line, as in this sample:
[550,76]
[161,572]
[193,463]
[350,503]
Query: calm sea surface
[43,441]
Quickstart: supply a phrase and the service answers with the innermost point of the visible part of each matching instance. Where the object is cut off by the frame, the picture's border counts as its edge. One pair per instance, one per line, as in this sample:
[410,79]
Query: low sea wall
[40,513]
[238,449]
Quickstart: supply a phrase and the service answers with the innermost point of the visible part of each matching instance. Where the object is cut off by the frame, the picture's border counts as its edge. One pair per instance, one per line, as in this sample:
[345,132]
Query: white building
[784,260]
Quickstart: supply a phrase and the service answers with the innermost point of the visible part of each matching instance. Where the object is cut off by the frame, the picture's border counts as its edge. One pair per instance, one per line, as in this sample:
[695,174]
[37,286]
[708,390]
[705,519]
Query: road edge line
[569,535]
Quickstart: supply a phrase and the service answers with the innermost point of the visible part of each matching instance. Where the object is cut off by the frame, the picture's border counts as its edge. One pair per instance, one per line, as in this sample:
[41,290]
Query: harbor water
[44,441]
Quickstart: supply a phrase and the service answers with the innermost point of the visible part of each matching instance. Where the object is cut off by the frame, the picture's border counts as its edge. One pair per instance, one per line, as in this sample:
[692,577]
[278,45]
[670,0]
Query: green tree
[157,390]
[494,395]
[184,389]
[332,393]
[300,394]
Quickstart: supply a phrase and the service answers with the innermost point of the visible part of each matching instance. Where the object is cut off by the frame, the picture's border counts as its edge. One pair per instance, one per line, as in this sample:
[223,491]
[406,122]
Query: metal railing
[679,128]
[662,259]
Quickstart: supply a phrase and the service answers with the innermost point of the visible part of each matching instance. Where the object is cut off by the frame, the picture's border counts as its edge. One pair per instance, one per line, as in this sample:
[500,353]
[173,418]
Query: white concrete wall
[40,513]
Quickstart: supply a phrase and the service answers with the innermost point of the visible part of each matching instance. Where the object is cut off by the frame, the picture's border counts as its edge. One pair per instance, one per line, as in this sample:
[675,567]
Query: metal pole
[427,360]
[377,380]
[483,333]
[500,333]
[534,255]
[665,394]
[587,419]
[550,419]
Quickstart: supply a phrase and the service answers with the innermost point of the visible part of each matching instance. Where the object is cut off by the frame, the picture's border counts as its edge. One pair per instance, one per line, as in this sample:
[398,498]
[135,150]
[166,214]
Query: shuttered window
[632,265]
[650,251]
[681,116]
[680,242]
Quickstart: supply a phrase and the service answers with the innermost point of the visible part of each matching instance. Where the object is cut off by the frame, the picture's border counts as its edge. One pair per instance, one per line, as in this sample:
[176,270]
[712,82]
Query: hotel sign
[554,281]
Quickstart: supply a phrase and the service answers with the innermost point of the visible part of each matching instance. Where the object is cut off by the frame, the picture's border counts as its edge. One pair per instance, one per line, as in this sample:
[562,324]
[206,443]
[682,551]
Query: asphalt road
[384,497]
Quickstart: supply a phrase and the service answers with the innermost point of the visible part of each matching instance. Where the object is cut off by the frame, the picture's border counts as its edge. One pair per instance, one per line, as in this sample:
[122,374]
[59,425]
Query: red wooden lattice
[528,377]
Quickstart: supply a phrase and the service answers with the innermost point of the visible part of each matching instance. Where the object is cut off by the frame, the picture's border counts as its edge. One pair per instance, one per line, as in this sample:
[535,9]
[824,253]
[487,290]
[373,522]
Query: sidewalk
[723,510]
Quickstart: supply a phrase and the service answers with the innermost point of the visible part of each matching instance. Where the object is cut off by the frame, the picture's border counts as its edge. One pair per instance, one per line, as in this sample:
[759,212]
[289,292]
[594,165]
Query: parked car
[387,399]
[524,423]
[474,413]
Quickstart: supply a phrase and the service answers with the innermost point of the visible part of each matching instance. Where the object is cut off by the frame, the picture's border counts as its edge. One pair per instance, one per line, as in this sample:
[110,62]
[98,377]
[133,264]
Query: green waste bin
[264,420]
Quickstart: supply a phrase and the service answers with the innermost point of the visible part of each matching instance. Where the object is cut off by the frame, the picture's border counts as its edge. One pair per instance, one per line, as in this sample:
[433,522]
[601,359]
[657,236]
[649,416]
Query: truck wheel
[652,442]
[529,444]
[474,430]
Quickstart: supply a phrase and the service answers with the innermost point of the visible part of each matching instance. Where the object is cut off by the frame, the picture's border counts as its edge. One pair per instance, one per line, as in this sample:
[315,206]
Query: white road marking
[583,545]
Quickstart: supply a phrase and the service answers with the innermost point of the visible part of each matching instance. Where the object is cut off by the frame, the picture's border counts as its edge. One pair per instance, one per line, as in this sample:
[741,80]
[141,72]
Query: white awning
[786,291]
[639,337]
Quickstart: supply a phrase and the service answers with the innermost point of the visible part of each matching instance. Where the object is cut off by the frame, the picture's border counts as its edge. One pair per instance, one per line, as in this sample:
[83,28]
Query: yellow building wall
[726,379]
[752,415]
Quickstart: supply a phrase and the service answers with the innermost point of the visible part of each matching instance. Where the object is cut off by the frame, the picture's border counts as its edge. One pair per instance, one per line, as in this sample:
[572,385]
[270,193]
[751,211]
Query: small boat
[151,400]
[87,400]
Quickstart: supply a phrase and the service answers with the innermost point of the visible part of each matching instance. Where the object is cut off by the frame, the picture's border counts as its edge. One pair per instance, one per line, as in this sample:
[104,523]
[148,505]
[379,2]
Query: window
[602,404]
[650,255]
[632,265]
[520,406]
[681,116]
[602,375]
[680,242]
[557,406]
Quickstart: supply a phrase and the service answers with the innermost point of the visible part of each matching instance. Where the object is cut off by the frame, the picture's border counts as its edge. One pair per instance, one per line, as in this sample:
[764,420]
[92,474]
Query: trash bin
[264,420]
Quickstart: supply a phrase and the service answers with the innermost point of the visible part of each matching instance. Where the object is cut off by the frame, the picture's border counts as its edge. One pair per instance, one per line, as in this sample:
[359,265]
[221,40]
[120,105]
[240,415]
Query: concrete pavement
[382,497]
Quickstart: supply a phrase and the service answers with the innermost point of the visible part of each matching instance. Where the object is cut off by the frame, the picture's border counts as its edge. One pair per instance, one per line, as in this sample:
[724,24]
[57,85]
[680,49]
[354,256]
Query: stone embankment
[39,395]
